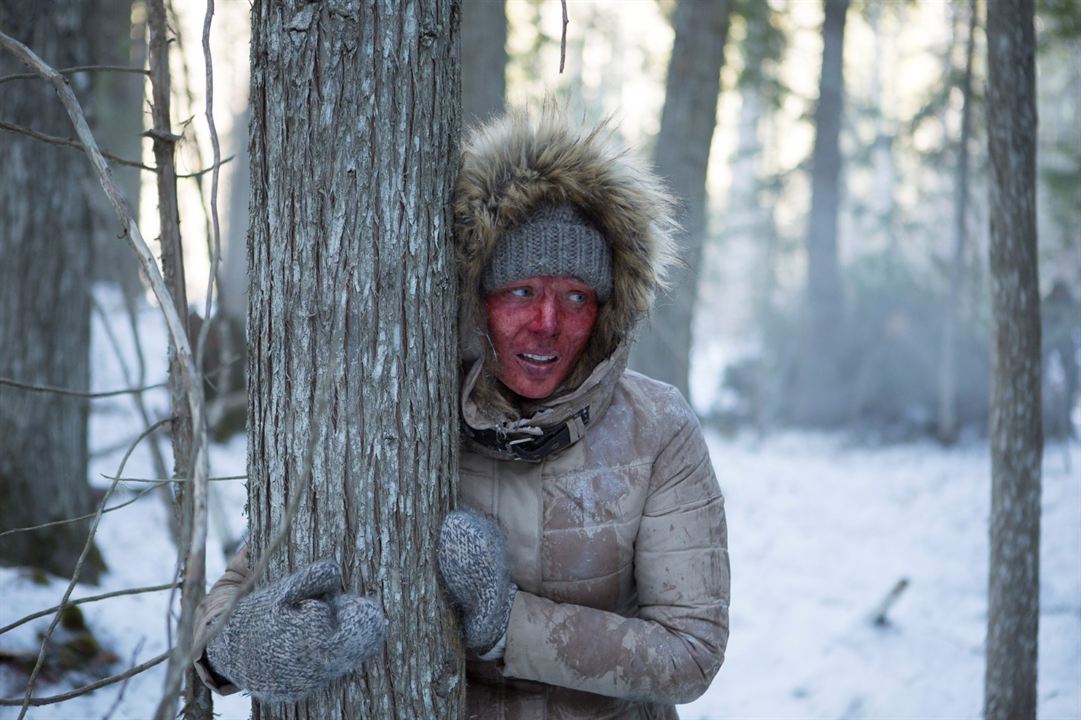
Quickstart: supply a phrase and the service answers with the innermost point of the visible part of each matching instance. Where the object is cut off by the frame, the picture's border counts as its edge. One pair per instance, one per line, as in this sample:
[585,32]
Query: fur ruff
[519,161]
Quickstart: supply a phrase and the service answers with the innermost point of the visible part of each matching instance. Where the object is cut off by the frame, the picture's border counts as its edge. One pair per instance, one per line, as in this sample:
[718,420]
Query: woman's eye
[577,297]
[521,292]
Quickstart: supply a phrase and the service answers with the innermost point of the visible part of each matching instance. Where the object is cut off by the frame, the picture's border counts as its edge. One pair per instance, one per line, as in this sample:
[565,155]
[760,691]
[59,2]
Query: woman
[599,587]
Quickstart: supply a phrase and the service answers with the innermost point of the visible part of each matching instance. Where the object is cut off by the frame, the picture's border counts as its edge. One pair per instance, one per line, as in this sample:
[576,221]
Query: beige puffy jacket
[618,544]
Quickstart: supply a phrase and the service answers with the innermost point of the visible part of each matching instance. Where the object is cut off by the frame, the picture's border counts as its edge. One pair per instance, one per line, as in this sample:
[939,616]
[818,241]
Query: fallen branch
[879,617]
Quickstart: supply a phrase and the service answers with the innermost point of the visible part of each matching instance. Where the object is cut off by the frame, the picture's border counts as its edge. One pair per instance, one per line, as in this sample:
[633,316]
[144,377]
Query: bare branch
[85,689]
[192,383]
[563,41]
[123,211]
[189,430]
[78,69]
[88,599]
[162,481]
[57,140]
[80,518]
[195,148]
[75,573]
[77,393]
[140,405]
[124,685]
[100,511]
[68,142]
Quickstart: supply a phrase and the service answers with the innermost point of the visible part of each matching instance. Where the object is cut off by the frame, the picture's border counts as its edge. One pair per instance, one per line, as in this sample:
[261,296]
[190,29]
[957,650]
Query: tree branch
[78,69]
[80,518]
[162,481]
[77,393]
[85,689]
[75,576]
[140,405]
[563,40]
[138,495]
[67,142]
[88,599]
[191,381]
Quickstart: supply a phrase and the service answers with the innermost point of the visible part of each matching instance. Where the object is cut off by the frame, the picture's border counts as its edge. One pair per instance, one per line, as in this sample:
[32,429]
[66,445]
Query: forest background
[906,343]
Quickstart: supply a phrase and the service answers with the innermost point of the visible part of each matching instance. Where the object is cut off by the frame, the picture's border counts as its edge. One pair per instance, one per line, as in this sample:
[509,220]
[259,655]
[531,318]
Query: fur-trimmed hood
[522,160]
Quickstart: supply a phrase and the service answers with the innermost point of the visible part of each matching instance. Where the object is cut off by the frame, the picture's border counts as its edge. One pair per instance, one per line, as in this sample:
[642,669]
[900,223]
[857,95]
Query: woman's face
[539,327]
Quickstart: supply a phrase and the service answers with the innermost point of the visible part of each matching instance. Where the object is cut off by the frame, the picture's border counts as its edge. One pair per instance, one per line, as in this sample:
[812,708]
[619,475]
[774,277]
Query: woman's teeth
[539,358]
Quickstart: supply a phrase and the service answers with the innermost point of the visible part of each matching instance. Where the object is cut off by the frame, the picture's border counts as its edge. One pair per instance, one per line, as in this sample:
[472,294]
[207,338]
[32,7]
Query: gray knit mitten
[294,636]
[473,560]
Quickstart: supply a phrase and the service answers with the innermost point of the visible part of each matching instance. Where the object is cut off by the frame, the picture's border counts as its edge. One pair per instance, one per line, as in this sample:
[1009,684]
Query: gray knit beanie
[553,240]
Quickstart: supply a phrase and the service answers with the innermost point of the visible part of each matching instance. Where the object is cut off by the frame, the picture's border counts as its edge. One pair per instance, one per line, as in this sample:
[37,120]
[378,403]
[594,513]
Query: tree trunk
[117,37]
[484,58]
[355,123]
[1016,420]
[819,399]
[44,299]
[947,380]
[681,156]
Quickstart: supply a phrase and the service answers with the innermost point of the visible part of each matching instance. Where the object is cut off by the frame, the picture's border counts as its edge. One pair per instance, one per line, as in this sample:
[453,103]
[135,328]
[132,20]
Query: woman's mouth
[538,359]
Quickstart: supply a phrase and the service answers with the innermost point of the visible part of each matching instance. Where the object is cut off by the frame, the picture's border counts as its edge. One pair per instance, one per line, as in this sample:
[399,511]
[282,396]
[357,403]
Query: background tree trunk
[681,156]
[44,298]
[355,123]
[1016,420]
[818,399]
[947,384]
[118,37]
[484,58]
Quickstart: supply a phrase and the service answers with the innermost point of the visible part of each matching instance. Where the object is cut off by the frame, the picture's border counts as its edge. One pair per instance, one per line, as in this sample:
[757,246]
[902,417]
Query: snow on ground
[820,530]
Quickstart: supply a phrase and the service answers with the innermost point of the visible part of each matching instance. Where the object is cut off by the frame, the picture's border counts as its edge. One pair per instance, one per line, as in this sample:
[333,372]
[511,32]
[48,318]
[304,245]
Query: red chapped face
[539,327]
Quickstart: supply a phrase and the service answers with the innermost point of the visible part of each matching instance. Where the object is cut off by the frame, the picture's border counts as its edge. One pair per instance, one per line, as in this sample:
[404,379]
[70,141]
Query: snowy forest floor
[820,530]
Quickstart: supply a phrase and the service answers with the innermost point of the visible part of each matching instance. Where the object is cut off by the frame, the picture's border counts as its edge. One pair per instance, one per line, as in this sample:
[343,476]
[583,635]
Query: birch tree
[681,156]
[1016,420]
[44,299]
[352,361]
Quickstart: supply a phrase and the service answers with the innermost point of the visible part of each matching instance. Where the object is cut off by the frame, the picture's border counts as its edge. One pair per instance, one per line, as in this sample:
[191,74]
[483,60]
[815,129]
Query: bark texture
[818,399]
[354,145]
[44,298]
[484,58]
[1016,420]
[681,157]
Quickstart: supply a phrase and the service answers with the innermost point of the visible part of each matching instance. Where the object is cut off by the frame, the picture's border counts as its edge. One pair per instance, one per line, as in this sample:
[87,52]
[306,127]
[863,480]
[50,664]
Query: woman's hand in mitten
[297,635]
[473,561]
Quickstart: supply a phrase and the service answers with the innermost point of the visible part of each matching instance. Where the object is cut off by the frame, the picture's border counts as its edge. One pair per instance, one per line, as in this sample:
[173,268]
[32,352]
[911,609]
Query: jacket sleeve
[671,651]
[222,592]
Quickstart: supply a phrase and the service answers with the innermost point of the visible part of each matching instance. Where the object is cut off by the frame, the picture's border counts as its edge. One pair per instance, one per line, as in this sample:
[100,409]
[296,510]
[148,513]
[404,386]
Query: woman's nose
[546,320]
